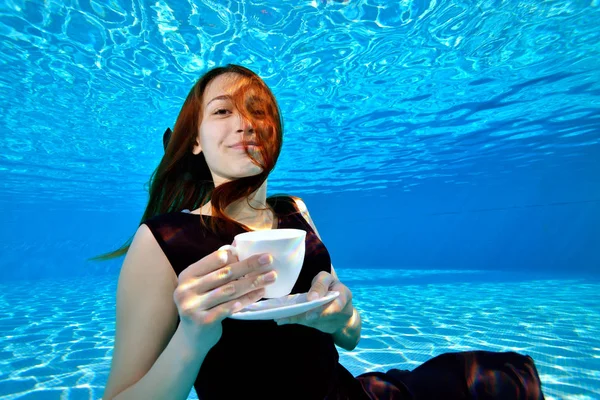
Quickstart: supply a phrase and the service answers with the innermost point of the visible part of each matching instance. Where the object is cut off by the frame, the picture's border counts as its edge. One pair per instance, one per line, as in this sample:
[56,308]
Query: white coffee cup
[286,246]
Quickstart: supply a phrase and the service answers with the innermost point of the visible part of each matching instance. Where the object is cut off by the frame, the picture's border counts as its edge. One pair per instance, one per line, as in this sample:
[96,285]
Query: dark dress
[261,360]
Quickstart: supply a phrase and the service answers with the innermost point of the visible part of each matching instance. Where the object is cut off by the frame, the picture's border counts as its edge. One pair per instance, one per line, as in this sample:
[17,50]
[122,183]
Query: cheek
[210,144]
[213,132]
[206,138]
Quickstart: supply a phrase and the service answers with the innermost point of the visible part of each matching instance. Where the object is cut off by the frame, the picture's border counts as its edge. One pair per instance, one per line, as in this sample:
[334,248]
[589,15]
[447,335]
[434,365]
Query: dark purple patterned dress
[240,365]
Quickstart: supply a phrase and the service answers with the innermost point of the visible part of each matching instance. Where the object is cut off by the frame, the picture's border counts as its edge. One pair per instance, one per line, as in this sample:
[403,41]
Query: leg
[480,375]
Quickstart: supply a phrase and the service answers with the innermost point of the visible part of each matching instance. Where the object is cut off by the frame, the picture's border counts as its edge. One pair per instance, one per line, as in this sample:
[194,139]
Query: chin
[250,172]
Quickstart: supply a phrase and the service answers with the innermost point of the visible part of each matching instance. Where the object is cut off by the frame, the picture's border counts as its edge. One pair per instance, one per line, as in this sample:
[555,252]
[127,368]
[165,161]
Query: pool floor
[56,336]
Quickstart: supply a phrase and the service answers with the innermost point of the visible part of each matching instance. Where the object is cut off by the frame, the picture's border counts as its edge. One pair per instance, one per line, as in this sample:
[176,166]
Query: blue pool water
[449,153]
[57,335]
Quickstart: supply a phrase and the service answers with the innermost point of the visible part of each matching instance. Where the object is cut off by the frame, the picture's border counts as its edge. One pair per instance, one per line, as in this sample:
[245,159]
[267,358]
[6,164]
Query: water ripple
[57,336]
[395,94]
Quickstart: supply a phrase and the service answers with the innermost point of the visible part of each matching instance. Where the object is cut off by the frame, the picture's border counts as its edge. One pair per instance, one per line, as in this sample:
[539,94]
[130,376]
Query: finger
[226,309]
[343,289]
[324,323]
[310,318]
[236,289]
[253,274]
[297,319]
[226,273]
[339,303]
[341,307]
[337,306]
[314,315]
[320,285]
[208,264]
[252,266]
[230,248]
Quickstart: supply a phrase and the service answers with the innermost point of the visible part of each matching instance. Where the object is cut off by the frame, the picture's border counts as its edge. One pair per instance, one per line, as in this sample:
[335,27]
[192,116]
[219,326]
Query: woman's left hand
[330,317]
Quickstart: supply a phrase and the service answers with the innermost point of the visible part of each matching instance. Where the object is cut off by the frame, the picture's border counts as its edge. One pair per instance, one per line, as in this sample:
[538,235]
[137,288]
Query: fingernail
[237,307]
[223,256]
[265,259]
[271,277]
[313,296]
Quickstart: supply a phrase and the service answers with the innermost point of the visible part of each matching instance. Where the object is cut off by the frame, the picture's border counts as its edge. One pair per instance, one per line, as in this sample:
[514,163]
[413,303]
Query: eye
[221,111]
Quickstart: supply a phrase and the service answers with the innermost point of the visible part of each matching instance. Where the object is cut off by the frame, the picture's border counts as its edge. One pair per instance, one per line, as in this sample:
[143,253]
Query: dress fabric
[261,360]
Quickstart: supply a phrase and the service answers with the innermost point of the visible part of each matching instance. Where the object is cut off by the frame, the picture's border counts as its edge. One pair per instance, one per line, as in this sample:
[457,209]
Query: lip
[240,145]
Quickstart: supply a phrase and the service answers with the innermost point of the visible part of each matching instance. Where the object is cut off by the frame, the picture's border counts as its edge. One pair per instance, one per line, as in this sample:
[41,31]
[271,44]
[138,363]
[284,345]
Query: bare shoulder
[146,260]
[146,314]
[300,204]
[304,211]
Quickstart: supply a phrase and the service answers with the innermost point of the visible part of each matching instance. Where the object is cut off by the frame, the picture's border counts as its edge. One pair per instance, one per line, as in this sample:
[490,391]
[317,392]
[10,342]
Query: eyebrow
[222,97]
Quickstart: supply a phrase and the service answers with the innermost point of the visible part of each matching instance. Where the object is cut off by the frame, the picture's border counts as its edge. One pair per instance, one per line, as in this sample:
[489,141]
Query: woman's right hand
[215,287]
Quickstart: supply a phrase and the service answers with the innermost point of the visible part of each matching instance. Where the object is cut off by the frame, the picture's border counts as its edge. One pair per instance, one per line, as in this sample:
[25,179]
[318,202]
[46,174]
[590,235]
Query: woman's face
[221,129]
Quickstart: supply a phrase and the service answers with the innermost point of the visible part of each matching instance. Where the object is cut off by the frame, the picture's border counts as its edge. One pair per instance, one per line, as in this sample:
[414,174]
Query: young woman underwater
[176,290]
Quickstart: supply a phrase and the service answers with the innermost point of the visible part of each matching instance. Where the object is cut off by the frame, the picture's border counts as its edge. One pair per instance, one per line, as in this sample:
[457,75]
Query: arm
[152,358]
[348,336]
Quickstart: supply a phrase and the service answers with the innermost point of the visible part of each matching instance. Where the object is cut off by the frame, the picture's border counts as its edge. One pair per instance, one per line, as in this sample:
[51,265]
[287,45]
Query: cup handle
[230,248]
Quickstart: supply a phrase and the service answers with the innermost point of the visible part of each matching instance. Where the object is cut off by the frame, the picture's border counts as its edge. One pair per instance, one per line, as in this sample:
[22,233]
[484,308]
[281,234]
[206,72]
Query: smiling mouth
[241,146]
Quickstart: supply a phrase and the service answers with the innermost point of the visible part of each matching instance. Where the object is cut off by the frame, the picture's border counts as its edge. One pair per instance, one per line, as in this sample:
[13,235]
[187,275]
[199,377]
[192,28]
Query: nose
[245,125]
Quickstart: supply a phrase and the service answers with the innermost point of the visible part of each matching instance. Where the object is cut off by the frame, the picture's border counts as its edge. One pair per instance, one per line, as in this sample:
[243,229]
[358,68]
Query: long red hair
[183,180]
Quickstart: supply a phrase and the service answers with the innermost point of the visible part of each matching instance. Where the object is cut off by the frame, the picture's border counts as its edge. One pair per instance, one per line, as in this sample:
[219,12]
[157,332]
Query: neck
[252,211]
[250,208]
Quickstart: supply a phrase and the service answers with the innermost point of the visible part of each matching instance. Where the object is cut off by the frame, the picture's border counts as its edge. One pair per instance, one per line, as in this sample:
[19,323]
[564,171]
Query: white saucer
[282,307]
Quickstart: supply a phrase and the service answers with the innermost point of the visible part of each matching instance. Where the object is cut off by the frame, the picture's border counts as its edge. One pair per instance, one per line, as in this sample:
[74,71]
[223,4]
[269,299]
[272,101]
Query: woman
[176,290]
